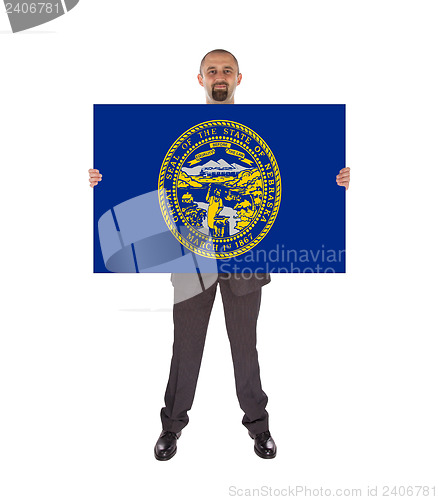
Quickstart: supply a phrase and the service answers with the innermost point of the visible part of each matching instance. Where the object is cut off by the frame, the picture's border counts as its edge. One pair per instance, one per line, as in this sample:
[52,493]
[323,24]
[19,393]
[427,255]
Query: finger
[343,176]
[345,184]
[346,169]
[93,184]
[93,170]
[96,177]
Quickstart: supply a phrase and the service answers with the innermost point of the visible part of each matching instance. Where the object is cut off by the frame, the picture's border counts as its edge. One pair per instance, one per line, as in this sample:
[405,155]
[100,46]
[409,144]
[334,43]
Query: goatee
[220,94]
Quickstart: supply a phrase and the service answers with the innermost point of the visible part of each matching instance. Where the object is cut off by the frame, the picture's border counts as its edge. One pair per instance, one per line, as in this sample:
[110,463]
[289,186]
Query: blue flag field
[228,189]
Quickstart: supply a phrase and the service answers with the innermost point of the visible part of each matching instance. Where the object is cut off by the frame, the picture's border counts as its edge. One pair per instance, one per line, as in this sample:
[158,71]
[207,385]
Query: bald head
[218,51]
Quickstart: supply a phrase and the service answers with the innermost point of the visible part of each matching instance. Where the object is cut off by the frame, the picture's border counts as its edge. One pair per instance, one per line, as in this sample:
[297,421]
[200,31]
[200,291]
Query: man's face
[219,78]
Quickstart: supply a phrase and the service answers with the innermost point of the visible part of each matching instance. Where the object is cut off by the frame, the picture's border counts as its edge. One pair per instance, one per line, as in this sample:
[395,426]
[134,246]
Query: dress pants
[191,318]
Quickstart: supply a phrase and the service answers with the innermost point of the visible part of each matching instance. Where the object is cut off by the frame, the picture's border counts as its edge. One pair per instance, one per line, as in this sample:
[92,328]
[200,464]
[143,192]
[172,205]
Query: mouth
[220,87]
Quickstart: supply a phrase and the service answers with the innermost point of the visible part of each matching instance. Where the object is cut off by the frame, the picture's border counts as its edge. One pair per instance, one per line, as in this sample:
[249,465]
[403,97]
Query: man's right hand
[95,177]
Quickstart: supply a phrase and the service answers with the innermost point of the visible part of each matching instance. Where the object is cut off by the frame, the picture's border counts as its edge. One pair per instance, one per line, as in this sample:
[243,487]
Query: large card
[230,189]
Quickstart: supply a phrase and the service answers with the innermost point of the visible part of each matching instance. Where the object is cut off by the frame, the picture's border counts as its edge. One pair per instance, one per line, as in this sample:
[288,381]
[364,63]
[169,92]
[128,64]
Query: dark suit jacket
[187,285]
[241,284]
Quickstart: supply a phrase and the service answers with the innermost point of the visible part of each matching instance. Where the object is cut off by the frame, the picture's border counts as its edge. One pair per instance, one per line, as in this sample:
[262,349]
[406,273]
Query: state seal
[219,189]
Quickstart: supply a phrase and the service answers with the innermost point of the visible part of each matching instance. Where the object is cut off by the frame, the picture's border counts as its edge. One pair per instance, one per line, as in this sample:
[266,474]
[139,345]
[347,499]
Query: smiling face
[219,76]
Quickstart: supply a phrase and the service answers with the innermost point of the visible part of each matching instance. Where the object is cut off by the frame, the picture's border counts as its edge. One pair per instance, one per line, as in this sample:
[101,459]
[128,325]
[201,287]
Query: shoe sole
[163,459]
[261,455]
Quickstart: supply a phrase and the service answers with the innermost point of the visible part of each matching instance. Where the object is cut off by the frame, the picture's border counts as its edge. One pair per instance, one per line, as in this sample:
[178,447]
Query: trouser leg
[241,313]
[191,318]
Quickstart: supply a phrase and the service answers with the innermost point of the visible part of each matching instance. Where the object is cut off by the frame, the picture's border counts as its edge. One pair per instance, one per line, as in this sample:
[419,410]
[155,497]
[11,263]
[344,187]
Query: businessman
[194,296]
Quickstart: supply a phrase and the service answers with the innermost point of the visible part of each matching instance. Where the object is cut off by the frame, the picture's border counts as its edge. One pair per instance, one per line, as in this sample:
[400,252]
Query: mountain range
[212,166]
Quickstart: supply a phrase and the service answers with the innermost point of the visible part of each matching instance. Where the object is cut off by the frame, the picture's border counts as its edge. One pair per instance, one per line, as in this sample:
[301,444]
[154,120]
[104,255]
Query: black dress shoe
[265,447]
[166,446]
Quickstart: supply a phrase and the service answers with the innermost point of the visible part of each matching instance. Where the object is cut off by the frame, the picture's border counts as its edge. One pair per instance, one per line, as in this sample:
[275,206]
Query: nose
[221,77]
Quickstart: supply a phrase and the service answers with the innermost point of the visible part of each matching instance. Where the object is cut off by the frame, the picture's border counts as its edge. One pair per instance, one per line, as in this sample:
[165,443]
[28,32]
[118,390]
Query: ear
[200,80]
[239,79]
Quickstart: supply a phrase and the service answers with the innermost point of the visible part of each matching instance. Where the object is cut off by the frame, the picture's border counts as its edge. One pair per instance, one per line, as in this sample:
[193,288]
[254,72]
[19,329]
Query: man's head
[219,75]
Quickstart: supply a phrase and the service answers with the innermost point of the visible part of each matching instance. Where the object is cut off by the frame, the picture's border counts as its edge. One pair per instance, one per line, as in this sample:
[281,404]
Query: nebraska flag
[233,189]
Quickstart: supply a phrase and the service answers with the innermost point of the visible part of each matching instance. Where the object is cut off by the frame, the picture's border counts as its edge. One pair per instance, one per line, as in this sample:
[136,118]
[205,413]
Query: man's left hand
[344,177]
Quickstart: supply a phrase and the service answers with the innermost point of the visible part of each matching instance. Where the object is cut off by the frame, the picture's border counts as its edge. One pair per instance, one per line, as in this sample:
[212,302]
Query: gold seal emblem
[219,189]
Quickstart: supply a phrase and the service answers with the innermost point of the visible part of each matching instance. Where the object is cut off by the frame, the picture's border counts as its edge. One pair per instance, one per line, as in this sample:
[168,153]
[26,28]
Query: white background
[349,362]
